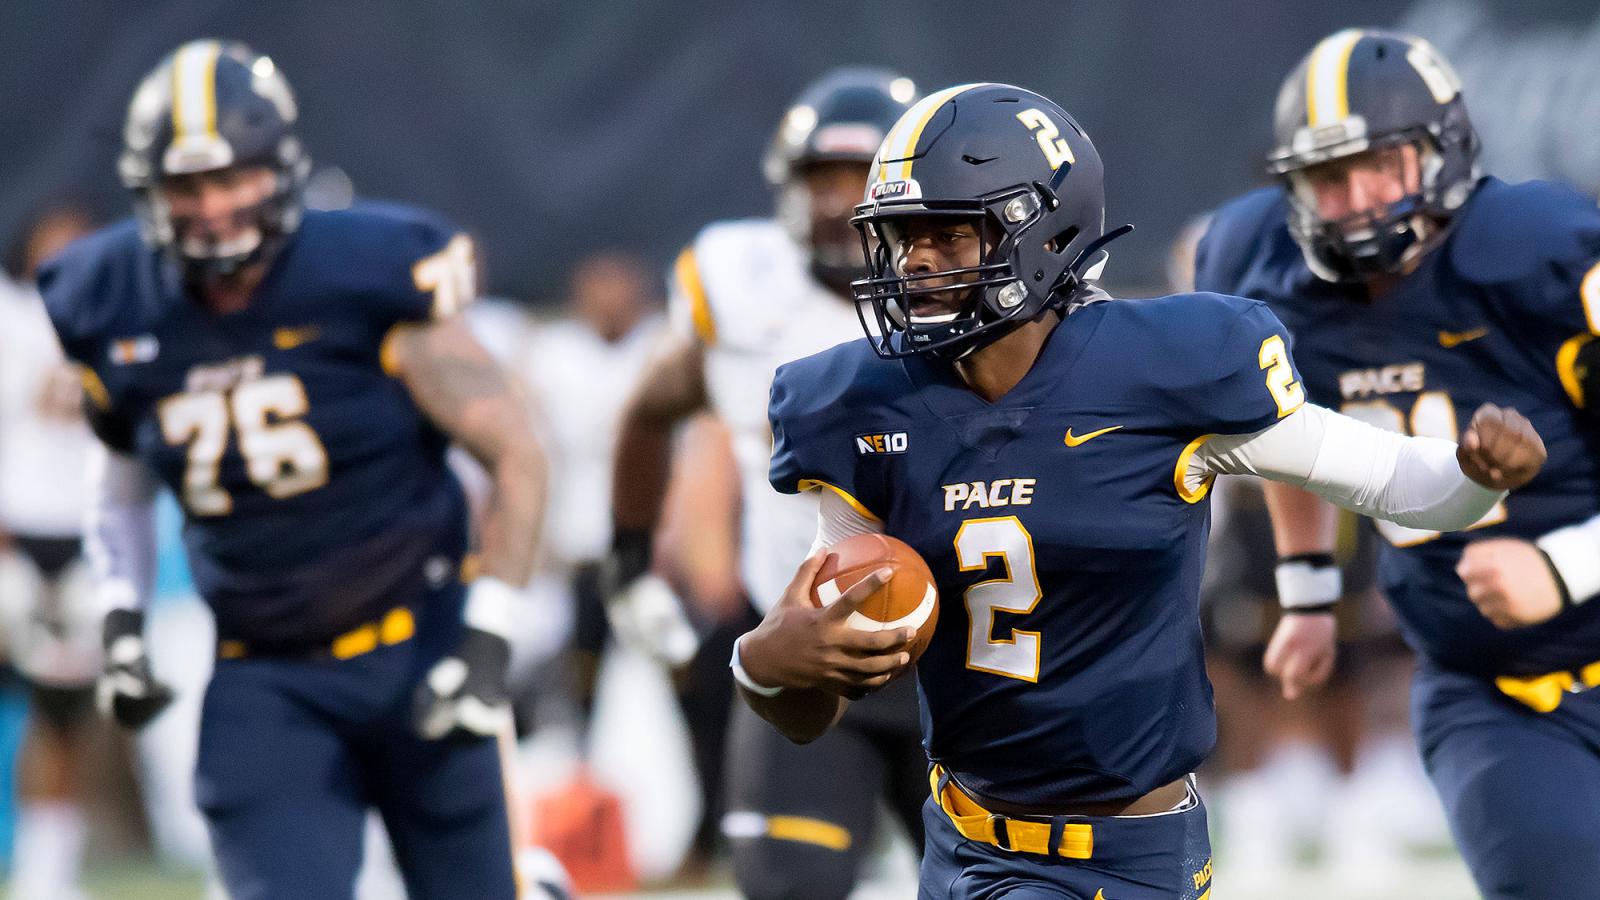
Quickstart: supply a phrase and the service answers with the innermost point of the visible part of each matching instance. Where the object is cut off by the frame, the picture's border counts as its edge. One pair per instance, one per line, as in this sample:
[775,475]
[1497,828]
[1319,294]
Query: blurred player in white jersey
[52,633]
[748,296]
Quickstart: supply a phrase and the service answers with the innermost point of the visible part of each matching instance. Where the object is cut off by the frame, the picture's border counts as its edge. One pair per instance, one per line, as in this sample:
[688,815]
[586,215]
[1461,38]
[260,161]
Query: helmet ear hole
[1062,241]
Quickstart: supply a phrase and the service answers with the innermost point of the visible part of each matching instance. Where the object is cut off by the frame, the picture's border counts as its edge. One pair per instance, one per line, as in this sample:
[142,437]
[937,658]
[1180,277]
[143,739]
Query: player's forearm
[514,516]
[462,390]
[670,390]
[1413,481]
[800,714]
[1302,522]
[120,530]
[640,469]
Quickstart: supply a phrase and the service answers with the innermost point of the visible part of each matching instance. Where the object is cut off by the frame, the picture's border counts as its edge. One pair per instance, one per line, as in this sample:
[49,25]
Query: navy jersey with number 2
[1067,665]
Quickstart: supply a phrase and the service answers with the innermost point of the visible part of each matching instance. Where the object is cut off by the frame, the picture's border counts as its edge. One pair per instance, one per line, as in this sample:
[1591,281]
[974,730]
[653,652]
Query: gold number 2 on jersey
[1018,592]
[283,456]
[1286,392]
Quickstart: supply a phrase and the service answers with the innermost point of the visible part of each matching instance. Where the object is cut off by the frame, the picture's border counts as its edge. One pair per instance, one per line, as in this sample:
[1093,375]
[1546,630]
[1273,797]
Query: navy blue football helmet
[841,117]
[1361,90]
[1018,168]
[213,105]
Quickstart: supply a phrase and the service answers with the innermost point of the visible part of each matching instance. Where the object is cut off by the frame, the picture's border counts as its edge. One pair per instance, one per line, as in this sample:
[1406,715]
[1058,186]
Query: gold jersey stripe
[1180,474]
[810,484]
[687,271]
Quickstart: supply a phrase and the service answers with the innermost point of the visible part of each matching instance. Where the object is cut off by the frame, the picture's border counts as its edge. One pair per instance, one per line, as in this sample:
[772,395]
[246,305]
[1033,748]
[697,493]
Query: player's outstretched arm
[1418,482]
[459,386]
[800,664]
[643,611]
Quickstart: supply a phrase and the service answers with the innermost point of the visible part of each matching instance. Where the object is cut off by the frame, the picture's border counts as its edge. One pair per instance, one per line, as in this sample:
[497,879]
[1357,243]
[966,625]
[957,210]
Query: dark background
[551,129]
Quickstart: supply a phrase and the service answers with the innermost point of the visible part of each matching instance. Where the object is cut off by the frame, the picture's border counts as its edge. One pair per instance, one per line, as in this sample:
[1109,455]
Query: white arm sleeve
[837,520]
[1411,481]
[1575,552]
[120,529]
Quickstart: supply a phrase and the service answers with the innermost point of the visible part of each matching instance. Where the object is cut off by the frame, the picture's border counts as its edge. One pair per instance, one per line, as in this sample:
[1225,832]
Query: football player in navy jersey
[1416,289]
[294,377]
[1050,455]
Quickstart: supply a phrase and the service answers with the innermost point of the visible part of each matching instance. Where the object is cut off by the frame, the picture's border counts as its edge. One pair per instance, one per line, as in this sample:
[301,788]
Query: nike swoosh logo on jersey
[1449,339]
[1072,440]
[290,338]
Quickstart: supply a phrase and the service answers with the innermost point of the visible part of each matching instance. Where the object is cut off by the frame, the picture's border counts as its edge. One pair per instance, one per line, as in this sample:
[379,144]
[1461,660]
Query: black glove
[464,695]
[127,691]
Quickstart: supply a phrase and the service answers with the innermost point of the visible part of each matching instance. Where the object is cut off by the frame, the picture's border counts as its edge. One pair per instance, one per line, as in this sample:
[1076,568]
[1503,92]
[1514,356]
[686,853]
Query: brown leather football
[909,599]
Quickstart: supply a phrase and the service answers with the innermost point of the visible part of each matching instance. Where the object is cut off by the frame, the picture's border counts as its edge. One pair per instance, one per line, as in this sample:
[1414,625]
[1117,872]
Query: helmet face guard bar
[996,295]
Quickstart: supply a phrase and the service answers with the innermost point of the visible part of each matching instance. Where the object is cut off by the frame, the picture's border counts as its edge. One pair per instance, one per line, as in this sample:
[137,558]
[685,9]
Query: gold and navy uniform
[1500,312]
[1493,315]
[315,491]
[324,530]
[1067,666]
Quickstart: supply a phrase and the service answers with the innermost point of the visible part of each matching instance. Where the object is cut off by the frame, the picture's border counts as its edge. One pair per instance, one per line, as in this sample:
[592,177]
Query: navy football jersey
[1067,663]
[1495,314]
[315,491]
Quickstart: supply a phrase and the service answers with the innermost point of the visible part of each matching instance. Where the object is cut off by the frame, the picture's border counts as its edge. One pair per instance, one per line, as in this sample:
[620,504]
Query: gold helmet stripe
[901,144]
[1328,76]
[194,90]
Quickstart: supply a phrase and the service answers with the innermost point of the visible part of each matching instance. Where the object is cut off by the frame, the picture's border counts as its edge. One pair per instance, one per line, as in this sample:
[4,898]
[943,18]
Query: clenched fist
[1500,449]
[1510,582]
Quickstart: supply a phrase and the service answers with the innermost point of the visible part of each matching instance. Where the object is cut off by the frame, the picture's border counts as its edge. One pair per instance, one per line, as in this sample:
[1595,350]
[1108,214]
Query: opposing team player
[1051,456]
[46,594]
[1416,290]
[294,377]
[748,296]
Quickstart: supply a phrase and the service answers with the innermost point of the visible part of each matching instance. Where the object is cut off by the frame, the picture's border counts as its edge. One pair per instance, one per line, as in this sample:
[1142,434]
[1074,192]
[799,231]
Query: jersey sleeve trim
[1180,473]
[809,484]
[1589,292]
[687,272]
[94,388]
[389,348]
[1567,365]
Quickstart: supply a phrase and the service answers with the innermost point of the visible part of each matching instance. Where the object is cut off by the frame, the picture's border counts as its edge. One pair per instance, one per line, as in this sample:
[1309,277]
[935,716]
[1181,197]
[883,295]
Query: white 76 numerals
[282,456]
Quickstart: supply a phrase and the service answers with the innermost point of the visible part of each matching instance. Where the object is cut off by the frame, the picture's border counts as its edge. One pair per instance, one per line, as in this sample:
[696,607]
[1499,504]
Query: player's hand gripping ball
[908,600]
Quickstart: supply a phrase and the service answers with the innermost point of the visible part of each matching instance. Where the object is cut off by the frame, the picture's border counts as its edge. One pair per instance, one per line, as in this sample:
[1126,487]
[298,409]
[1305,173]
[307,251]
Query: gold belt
[396,626]
[1073,840]
[1543,693]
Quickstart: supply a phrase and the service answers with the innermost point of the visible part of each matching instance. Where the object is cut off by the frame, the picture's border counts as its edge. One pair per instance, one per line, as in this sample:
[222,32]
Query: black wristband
[1561,583]
[1315,560]
[1310,610]
[630,556]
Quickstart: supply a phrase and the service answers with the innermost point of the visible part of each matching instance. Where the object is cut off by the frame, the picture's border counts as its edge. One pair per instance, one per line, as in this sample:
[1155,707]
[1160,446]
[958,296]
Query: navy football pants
[1522,788]
[293,752]
[1159,857]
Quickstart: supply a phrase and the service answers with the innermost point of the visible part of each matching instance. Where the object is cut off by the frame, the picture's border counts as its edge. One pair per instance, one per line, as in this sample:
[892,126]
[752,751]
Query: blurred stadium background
[558,132]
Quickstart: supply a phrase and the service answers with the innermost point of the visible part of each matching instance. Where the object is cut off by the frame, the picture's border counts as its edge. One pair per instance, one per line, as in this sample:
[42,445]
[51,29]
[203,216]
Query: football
[910,597]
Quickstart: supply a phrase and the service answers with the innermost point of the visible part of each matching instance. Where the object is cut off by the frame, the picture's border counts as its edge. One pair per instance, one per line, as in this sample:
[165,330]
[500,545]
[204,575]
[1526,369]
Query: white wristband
[743,677]
[1302,585]
[1575,553]
[490,602]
